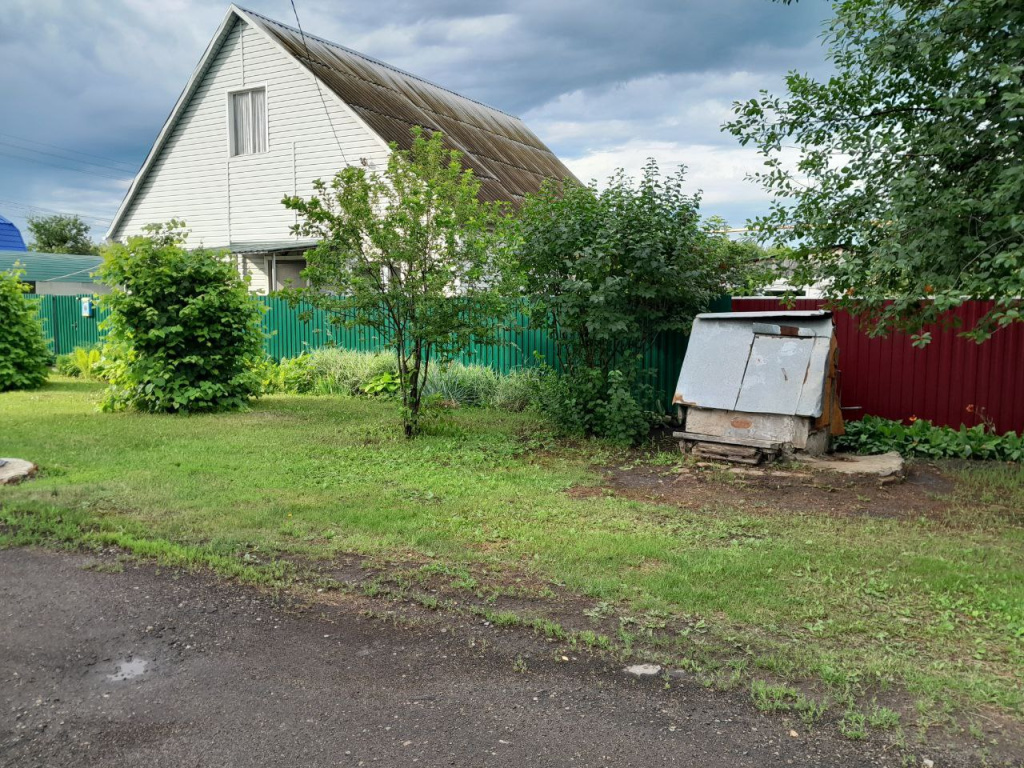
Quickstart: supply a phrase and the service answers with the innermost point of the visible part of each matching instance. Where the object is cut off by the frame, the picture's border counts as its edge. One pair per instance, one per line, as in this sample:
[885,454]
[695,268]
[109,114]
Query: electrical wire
[38,209]
[68,150]
[64,167]
[61,157]
[316,79]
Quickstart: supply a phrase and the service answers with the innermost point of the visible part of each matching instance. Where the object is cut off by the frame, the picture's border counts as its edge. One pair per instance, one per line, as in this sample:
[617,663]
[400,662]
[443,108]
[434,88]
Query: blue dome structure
[10,237]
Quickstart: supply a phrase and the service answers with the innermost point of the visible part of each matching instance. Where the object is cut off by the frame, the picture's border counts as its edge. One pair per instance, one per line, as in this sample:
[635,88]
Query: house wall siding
[236,201]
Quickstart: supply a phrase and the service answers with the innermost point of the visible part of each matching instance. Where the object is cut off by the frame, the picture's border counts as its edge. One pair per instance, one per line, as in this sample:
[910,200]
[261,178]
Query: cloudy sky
[87,84]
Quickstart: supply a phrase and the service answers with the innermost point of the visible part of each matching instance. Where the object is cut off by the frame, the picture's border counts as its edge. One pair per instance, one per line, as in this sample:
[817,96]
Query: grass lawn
[861,608]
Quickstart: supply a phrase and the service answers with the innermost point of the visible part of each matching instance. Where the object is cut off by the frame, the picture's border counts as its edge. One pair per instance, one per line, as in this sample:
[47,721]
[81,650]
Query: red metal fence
[952,381]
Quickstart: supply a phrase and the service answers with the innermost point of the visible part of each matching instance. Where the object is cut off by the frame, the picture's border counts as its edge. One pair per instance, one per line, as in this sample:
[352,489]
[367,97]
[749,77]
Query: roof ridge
[375,60]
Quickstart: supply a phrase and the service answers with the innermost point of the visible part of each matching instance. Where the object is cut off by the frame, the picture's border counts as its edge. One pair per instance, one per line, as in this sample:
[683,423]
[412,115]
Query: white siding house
[269,110]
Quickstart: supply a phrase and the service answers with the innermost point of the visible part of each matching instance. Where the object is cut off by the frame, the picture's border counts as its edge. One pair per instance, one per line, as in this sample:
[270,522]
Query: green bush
[82,362]
[66,365]
[591,403]
[24,356]
[873,434]
[189,330]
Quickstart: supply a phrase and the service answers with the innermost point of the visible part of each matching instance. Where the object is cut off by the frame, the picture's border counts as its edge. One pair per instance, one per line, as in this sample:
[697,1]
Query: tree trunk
[412,410]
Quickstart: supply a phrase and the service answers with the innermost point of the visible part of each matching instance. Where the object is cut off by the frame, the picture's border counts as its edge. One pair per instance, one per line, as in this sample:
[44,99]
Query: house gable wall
[236,201]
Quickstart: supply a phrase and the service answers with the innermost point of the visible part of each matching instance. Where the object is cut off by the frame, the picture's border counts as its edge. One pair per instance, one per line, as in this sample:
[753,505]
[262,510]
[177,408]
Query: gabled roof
[506,156]
[51,267]
[10,237]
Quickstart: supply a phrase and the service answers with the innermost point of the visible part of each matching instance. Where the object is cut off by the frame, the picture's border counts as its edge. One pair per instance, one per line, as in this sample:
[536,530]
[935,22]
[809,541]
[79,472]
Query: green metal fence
[290,331]
[64,325]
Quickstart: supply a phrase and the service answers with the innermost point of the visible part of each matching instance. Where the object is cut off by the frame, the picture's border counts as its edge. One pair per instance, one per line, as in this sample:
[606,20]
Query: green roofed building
[55,274]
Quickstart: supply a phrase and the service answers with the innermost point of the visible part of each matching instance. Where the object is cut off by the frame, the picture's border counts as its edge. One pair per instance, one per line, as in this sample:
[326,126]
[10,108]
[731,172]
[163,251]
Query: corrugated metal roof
[739,362]
[506,156]
[10,237]
[51,267]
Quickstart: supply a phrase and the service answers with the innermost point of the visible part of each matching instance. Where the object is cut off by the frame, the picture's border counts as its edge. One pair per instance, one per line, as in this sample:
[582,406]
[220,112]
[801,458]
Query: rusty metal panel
[952,381]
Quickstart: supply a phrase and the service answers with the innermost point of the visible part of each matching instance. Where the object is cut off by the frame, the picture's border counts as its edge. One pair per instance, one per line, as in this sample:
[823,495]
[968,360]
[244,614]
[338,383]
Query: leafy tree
[60,234]
[411,253]
[908,196]
[24,357]
[608,272]
[185,328]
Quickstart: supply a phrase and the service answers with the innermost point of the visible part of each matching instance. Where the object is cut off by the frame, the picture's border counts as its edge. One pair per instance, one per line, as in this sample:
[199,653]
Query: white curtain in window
[249,122]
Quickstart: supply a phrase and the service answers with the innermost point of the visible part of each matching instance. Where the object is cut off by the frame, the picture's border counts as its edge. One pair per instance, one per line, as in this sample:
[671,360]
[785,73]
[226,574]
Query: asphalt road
[163,668]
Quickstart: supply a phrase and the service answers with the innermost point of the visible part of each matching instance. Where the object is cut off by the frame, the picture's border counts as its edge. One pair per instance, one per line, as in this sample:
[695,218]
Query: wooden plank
[713,451]
[701,438]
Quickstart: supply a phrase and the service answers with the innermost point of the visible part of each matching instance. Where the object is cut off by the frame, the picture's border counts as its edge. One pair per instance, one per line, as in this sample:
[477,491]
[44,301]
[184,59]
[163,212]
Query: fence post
[47,302]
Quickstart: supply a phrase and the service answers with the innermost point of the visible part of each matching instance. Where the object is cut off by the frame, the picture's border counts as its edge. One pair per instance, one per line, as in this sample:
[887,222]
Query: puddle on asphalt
[129,670]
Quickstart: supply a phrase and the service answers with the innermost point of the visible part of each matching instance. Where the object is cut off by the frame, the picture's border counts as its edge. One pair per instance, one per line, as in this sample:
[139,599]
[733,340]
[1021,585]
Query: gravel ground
[163,668]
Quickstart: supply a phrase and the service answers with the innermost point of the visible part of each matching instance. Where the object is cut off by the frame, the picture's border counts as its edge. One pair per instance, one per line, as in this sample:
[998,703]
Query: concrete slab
[881,465]
[15,470]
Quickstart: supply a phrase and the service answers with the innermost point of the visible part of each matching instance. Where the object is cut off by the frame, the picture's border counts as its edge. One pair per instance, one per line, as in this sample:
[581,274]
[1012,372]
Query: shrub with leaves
[24,357]
[607,273]
[873,434]
[190,330]
[81,362]
[587,402]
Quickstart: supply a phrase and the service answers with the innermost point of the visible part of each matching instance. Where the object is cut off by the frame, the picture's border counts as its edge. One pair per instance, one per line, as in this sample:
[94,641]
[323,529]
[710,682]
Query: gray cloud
[597,81]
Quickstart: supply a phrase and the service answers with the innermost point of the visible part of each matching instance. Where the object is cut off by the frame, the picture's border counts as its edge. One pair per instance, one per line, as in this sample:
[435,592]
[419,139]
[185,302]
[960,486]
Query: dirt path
[159,668]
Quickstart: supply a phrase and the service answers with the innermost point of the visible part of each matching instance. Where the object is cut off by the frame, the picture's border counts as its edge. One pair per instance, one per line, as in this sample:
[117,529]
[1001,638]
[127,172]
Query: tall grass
[333,371]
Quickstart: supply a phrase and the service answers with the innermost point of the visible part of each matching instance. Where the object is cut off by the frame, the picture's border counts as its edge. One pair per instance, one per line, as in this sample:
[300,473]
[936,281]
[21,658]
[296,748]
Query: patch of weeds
[549,628]
[778,664]
[626,641]
[429,601]
[600,611]
[773,698]
[42,525]
[373,588]
[883,718]
[810,711]
[591,640]
[519,665]
[839,678]
[647,623]
[853,725]
[729,677]
[770,697]
[503,618]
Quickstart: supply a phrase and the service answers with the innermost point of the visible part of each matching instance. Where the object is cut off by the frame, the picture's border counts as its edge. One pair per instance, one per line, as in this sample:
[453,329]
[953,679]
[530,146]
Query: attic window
[248,122]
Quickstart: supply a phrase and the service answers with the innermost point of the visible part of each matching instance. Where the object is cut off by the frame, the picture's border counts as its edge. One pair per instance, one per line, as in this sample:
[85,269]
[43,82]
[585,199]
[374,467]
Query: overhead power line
[64,167]
[68,151]
[62,157]
[39,209]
